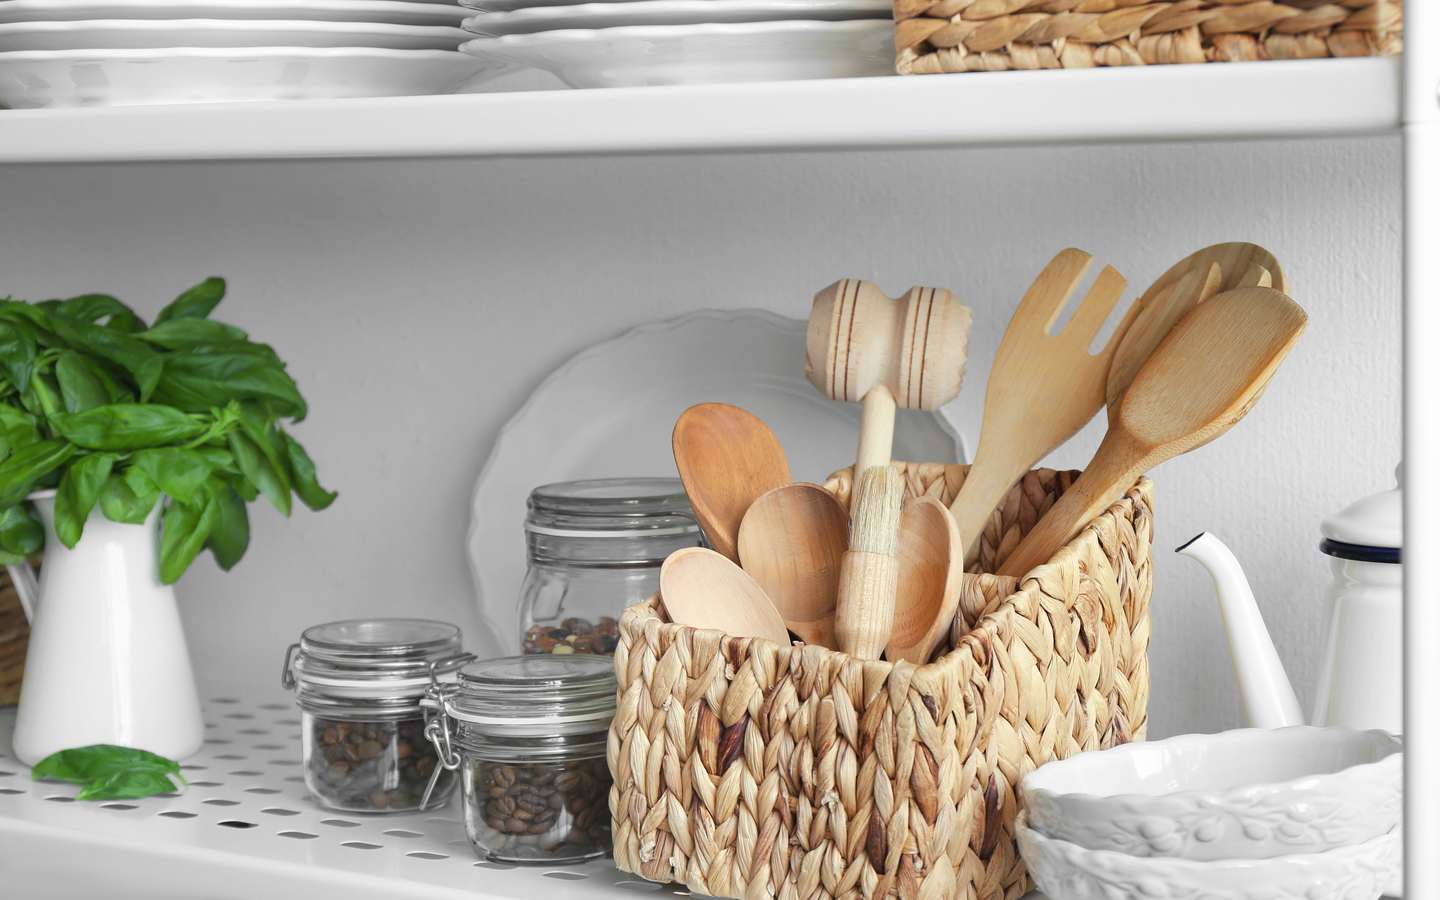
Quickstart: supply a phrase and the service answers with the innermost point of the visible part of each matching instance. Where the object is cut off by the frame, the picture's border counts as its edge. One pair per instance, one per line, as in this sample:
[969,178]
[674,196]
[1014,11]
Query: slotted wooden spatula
[1043,387]
[1203,378]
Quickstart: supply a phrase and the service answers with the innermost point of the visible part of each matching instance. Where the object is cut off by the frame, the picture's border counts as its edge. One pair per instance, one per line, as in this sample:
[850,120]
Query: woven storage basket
[14,636]
[987,35]
[747,769]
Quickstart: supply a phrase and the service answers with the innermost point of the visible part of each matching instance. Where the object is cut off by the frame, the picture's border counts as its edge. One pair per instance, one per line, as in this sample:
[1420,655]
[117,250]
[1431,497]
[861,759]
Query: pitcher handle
[26,588]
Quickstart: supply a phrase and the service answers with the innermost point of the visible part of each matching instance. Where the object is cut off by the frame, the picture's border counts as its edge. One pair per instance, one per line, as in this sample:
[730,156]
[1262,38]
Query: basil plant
[110,411]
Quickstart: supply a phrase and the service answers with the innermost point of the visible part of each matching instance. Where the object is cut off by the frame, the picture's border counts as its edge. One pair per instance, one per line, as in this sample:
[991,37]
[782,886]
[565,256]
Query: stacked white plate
[128,52]
[646,42]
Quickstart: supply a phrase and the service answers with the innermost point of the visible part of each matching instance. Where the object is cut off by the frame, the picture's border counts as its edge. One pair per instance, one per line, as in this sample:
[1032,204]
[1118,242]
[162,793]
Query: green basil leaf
[121,502]
[178,471]
[142,363]
[184,334]
[27,465]
[302,471]
[110,772]
[17,353]
[129,785]
[258,469]
[259,426]
[199,382]
[183,532]
[42,397]
[80,487]
[230,535]
[243,486]
[21,534]
[218,459]
[196,303]
[80,386]
[18,427]
[126,426]
[94,307]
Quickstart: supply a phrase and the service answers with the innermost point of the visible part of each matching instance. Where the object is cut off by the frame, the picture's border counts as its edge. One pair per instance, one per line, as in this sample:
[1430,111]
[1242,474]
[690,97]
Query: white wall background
[420,302]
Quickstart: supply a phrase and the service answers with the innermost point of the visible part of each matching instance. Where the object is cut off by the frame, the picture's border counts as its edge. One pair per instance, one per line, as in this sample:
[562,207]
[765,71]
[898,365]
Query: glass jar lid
[614,506]
[379,659]
[534,696]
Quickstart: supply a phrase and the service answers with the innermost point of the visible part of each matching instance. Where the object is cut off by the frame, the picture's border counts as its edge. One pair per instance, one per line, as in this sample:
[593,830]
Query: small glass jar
[359,684]
[595,547]
[528,734]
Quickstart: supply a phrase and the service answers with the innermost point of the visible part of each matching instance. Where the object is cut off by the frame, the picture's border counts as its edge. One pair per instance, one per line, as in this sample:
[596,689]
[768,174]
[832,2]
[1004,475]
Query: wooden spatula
[727,458]
[1043,387]
[1203,378]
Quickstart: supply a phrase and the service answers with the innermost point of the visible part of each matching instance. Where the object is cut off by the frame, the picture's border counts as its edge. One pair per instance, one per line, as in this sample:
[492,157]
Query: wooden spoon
[1236,259]
[791,542]
[727,458]
[928,586]
[1043,387]
[1151,324]
[1202,379]
[703,589]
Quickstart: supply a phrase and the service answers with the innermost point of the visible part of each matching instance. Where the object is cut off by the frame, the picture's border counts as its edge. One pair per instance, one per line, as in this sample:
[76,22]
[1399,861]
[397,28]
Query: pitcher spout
[1265,690]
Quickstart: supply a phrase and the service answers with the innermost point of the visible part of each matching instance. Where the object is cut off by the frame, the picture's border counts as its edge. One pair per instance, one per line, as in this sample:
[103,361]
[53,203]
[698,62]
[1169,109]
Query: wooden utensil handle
[866,612]
[1111,472]
[982,491]
[877,429]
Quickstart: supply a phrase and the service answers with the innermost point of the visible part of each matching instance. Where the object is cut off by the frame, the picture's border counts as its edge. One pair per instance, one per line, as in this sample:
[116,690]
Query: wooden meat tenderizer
[861,346]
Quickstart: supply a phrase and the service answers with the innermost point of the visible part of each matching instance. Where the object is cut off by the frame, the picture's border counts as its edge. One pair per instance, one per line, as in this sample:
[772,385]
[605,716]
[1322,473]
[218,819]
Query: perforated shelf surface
[245,828]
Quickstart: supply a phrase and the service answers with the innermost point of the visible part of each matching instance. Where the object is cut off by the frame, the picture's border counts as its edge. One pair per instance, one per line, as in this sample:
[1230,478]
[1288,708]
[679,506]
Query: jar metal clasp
[435,705]
[287,672]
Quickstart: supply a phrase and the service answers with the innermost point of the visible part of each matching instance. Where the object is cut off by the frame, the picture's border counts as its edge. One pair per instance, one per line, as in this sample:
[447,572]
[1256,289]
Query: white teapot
[1361,677]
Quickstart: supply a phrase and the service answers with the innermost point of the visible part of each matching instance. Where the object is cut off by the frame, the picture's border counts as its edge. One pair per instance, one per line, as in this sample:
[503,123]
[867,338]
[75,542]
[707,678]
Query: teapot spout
[1265,690]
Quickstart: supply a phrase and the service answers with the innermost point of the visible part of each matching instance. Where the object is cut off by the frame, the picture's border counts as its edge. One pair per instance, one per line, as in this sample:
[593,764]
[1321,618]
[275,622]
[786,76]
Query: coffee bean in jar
[359,684]
[595,547]
[529,733]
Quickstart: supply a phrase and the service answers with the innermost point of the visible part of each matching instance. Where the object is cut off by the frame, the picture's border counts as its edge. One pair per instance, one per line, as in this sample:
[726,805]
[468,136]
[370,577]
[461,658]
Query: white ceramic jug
[106,662]
[1361,681]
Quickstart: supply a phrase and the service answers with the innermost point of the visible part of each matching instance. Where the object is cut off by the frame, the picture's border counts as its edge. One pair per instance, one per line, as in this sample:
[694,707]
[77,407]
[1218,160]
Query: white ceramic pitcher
[106,662]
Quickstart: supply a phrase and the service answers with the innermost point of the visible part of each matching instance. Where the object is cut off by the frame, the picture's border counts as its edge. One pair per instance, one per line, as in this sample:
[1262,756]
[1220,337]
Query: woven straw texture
[990,35]
[14,636]
[747,769]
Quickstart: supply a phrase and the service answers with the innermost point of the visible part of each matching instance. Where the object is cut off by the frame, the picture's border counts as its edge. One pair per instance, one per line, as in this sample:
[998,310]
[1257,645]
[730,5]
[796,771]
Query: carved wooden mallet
[861,346]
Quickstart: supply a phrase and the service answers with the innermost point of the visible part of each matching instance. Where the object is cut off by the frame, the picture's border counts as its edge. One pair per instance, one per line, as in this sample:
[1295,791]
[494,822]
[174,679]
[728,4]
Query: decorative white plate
[700,54]
[670,12]
[124,34]
[610,409]
[144,77]
[392,12]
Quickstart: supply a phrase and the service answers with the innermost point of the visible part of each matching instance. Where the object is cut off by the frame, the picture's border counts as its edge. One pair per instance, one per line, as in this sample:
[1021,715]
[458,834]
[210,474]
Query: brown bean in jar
[544,812]
[370,766]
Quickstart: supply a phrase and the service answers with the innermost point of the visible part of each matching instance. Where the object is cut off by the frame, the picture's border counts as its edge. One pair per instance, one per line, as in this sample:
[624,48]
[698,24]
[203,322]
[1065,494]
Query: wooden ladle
[727,458]
[703,589]
[927,592]
[791,543]
[1203,378]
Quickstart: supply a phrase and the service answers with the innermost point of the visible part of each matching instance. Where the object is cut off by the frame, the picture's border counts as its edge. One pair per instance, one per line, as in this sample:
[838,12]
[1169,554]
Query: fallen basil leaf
[126,426]
[109,772]
[302,470]
[195,303]
[80,487]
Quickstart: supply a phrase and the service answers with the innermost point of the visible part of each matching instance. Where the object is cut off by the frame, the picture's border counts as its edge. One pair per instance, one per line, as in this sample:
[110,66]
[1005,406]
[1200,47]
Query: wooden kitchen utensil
[1236,260]
[1151,324]
[927,593]
[861,346]
[868,571]
[1043,387]
[727,458]
[703,589]
[1203,378]
[791,542]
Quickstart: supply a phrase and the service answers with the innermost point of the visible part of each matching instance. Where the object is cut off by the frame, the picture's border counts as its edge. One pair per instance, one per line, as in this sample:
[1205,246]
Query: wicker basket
[747,769]
[990,35]
[14,636]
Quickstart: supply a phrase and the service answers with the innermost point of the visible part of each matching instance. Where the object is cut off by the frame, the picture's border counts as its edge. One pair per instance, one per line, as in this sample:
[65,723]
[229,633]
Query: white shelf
[1232,100]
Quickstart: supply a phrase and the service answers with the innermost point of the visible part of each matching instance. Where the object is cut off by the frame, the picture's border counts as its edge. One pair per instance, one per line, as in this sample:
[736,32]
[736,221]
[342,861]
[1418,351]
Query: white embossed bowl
[1063,870]
[1246,794]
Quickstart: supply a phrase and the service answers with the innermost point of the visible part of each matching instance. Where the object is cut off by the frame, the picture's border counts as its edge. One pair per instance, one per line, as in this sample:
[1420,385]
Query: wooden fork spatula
[1203,378]
[1042,389]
